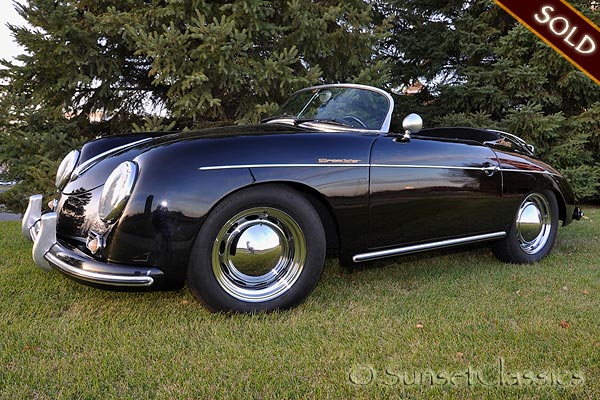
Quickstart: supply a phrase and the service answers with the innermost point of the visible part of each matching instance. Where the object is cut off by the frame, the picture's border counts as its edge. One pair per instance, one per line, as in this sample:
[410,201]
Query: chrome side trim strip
[373,255]
[483,169]
[527,171]
[495,168]
[208,168]
[426,166]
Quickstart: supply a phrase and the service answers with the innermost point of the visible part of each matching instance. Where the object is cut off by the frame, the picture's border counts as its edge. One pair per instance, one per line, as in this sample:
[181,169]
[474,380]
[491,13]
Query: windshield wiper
[333,121]
[298,121]
[282,116]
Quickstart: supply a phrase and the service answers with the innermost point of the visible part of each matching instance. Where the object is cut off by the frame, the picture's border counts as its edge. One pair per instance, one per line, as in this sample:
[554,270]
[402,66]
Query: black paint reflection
[438,190]
[72,213]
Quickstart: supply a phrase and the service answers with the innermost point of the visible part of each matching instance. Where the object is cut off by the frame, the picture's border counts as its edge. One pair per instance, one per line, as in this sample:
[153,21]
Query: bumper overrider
[49,254]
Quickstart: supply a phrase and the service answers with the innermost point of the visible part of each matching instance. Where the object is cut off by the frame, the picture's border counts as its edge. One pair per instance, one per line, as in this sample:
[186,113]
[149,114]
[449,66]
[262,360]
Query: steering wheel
[354,118]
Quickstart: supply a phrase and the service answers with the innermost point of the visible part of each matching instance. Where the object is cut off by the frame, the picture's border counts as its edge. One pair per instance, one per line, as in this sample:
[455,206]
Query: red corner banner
[562,27]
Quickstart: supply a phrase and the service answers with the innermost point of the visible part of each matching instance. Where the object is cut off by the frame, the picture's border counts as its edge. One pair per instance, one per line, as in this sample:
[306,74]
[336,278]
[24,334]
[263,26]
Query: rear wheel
[533,232]
[260,249]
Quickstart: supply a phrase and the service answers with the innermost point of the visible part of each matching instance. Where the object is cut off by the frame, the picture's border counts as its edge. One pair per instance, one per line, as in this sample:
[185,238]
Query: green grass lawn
[460,322]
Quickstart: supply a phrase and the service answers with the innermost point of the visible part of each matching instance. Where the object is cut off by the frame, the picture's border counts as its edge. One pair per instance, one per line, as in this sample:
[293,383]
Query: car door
[424,190]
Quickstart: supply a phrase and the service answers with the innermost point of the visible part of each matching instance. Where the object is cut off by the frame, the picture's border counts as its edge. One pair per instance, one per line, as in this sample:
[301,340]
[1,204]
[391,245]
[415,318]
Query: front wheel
[260,249]
[533,231]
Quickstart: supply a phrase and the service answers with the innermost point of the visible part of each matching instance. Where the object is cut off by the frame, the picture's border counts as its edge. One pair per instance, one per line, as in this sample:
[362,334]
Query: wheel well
[562,206]
[325,213]
[318,202]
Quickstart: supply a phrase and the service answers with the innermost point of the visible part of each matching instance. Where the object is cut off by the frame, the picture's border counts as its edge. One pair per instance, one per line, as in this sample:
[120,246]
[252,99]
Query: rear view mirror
[411,123]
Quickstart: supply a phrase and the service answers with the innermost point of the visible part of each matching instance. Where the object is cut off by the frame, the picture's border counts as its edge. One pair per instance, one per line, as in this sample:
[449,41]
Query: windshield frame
[325,126]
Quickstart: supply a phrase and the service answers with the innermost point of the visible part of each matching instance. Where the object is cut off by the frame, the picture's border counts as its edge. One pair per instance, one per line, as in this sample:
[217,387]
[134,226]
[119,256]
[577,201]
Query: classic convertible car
[245,214]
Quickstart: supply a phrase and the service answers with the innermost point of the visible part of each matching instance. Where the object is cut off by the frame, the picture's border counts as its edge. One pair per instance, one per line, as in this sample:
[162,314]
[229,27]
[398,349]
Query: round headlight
[66,167]
[117,190]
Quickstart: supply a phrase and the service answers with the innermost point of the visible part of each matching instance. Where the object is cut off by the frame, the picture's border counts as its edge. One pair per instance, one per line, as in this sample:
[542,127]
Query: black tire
[260,249]
[533,231]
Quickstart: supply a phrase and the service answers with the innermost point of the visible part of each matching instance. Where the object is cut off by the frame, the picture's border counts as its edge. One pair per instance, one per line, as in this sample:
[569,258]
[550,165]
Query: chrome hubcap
[534,222]
[258,254]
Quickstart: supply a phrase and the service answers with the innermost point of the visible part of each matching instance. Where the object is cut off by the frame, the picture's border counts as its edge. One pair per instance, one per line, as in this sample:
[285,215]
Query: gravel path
[9,217]
[4,216]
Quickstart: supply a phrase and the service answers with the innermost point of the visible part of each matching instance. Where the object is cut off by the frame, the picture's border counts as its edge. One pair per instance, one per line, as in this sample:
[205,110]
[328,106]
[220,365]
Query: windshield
[355,107]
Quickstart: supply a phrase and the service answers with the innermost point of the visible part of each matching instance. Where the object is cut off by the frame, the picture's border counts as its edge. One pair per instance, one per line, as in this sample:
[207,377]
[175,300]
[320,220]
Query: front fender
[165,212]
[522,174]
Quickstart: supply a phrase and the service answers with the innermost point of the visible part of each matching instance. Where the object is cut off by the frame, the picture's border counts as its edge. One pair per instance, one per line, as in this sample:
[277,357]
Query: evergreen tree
[236,61]
[163,64]
[195,62]
[494,73]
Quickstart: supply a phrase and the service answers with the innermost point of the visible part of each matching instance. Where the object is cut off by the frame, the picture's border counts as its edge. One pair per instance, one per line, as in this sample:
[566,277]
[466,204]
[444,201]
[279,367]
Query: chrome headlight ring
[116,191]
[65,169]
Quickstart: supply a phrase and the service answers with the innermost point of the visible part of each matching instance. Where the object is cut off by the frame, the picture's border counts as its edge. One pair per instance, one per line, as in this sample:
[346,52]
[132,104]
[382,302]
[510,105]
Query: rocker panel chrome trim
[426,246]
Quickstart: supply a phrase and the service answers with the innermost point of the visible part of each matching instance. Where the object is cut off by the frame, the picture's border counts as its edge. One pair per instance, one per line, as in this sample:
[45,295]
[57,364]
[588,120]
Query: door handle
[489,169]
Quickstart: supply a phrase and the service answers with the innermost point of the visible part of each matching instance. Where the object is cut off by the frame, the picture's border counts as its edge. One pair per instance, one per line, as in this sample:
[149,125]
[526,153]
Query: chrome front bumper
[49,254]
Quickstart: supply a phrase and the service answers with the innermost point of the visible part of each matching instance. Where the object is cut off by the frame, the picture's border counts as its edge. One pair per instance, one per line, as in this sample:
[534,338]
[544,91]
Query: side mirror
[411,123]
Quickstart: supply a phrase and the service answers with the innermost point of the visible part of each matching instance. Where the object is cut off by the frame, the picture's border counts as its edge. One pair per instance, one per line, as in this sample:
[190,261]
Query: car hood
[93,171]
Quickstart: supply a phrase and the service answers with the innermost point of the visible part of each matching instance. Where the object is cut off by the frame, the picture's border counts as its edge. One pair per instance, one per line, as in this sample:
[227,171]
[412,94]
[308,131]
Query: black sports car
[245,214]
